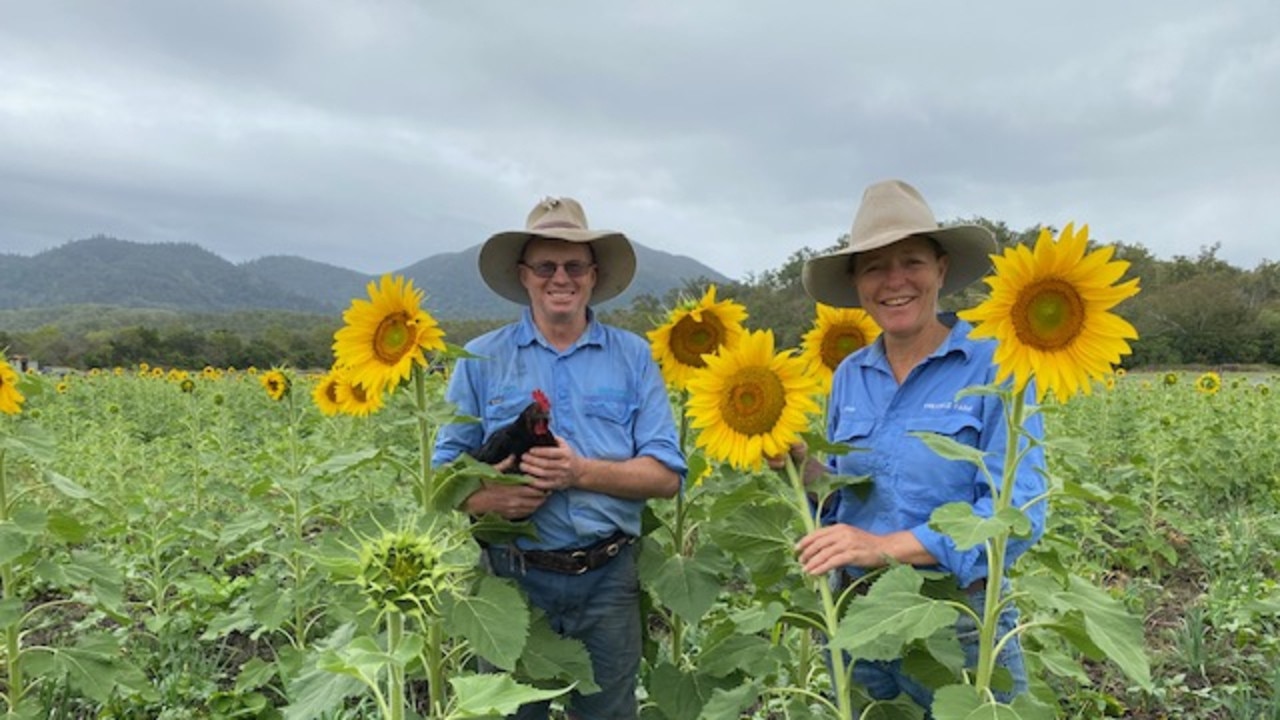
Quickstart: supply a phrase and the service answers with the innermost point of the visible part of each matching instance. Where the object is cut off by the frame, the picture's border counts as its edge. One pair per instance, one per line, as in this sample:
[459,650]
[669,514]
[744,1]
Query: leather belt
[576,561]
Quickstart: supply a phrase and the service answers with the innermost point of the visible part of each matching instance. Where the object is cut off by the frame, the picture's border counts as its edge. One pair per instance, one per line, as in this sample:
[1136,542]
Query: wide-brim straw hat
[891,211]
[558,219]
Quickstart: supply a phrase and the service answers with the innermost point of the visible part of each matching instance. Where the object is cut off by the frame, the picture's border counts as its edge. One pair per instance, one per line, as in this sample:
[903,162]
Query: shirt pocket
[608,429]
[856,433]
[943,481]
[503,411]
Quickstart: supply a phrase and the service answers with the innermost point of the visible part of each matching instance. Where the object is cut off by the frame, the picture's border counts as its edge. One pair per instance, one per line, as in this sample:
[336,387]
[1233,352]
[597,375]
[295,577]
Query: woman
[896,265]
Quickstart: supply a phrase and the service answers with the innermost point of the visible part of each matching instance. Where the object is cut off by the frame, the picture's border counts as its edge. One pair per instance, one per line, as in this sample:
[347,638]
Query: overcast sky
[370,134]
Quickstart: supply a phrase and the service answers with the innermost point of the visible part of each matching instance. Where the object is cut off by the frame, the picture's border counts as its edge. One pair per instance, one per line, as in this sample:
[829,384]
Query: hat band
[557,225]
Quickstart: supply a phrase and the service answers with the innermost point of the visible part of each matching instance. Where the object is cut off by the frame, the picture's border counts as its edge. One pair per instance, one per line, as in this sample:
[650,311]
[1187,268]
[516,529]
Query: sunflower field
[268,543]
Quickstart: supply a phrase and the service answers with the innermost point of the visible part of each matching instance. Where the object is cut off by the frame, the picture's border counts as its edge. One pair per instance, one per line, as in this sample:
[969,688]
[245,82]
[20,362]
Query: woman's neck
[905,353]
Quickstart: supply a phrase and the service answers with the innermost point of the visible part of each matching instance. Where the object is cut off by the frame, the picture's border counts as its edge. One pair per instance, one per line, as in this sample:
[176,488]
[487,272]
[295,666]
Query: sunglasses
[547,269]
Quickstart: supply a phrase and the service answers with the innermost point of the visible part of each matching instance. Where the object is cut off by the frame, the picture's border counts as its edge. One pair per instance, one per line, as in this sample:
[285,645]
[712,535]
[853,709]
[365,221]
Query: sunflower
[354,399]
[836,333]
[10,399]
[1170,379]
[187,385]
[325,393]
[276,383]
[1049,310]
[1209,383]
[749,402]
[692,330]
[386,334]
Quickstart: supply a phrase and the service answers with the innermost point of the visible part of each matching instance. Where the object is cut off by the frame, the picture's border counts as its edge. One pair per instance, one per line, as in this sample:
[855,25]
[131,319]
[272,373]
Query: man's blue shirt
[608,402]
[871,412]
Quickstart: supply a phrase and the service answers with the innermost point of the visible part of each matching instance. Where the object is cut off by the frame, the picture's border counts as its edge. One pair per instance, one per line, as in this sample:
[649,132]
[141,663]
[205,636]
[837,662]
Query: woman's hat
[891,211]
[557,219]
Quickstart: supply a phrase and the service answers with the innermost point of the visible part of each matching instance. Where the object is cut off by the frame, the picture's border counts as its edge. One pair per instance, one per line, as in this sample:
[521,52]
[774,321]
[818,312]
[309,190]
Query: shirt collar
[527,332]
[957,340]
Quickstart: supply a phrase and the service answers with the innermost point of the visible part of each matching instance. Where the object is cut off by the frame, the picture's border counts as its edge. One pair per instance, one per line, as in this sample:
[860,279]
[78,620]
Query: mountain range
[186,277]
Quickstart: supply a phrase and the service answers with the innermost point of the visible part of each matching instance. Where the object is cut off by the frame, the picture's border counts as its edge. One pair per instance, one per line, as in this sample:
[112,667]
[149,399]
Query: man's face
[559,297]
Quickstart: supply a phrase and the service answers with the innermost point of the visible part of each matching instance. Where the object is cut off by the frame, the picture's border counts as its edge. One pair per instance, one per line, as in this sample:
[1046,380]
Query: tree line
[1192,311]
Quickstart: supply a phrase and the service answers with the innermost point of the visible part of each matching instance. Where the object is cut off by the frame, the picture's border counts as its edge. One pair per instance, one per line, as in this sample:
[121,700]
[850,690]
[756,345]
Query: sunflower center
[394,337]
[839,342]
[691,339]
[1048,314]
[331,392]
[753,401]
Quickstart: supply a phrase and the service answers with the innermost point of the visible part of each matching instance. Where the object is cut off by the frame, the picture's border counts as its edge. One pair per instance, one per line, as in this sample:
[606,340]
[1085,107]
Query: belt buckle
[580,557]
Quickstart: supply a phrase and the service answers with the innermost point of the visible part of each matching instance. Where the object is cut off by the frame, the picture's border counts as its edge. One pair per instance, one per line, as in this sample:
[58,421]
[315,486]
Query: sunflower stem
[424,436]
[395,678]
[997,546]
[678,539]
[12,631]
[830,614]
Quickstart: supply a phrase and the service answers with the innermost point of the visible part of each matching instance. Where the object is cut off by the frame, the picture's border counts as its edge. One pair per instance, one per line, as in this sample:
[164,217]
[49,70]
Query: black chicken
[531,429]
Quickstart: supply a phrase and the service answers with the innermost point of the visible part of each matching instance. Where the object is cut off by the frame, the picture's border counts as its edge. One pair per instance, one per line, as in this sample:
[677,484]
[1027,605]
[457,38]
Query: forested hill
[185,277]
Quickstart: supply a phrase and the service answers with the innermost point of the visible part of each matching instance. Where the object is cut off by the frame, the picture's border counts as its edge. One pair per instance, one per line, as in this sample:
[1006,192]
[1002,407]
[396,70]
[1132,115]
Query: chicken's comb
[541,398]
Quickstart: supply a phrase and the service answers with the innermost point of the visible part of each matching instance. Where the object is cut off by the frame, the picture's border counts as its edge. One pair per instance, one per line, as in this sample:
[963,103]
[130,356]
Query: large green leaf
[93,666]
[681,695]
[494,620]
[751,654]
[893,614]
[687,586]
[763,538]
[1110,627]
[551,656]
[316,691]
[959,522]
[966,702]
[496,694]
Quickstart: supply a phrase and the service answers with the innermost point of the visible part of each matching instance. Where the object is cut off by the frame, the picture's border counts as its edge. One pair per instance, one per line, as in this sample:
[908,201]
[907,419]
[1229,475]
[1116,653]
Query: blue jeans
[601,608]
[884,679]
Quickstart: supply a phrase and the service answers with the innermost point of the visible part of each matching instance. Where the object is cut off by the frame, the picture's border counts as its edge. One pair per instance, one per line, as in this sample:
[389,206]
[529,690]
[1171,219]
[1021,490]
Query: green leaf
[11,610]
[730,704]
[763,538]
[66,486]
[13,543]
[950,449]
[67,527]
[681,695]
[751,654]
[494,529]
[968,529]
[316,692]
[341,464]
[495,621]
[686,586]
[551,656]
[1110,627]
[254,674]
[966,702]
[892,614]
[757,617]
[93,666]
[496,694]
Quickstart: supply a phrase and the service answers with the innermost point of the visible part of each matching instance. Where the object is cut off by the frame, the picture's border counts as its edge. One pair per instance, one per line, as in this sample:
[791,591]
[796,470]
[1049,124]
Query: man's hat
[557,219]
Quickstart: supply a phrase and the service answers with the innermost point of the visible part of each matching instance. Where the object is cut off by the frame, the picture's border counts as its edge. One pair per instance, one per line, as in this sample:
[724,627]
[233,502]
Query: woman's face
[898,284]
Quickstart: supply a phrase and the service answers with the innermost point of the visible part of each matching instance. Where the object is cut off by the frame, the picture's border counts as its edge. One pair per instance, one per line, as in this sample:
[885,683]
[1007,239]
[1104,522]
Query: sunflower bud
[411,572]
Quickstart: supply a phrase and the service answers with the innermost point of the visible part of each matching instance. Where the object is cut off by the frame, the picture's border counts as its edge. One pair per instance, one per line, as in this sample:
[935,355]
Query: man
[616,442]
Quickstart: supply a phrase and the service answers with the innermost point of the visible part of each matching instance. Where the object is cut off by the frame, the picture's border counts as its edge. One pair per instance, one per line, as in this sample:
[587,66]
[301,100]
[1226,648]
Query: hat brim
[828,278]
[615,261]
